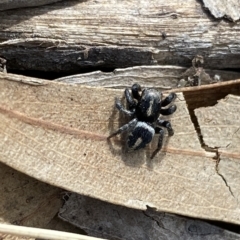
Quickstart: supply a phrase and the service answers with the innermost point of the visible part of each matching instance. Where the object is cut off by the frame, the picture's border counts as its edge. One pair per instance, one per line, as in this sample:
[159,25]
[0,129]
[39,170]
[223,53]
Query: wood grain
[161,77]
[223,8]
[69,36]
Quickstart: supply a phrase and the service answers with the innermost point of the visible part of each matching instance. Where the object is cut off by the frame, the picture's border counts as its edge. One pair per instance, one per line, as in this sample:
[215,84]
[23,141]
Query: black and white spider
[145,109]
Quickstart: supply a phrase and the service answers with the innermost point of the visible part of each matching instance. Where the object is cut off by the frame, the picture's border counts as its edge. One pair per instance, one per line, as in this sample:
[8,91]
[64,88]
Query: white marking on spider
[149,111]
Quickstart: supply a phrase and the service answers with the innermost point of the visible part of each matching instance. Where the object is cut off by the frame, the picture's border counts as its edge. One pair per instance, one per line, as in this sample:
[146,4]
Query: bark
[160,77]
[223,8]
[109,221]
[73,35]
[12,4]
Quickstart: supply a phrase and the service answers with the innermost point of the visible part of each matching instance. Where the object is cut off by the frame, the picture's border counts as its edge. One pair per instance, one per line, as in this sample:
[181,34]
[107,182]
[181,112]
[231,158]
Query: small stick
[42,233]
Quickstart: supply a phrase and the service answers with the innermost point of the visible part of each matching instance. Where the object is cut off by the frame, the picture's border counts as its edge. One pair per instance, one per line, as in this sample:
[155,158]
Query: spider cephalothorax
[145,109]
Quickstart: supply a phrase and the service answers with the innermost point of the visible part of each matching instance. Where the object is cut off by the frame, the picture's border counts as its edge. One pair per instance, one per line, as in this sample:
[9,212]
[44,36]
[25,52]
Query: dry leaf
[26,201]
[109,221]
[220,130]
[57,133]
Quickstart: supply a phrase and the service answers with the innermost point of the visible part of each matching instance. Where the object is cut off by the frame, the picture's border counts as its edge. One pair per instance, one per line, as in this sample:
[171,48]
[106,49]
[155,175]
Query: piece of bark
[221,8]
[196,75]
[57,133]
[11,4]
[3,65]
[26,201]
[208,95]
[58,224]
[101,219]
[75,35]
[161,77]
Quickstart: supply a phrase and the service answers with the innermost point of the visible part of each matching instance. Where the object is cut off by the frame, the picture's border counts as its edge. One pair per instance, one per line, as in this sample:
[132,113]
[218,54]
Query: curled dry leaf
[57,132]
[109,221]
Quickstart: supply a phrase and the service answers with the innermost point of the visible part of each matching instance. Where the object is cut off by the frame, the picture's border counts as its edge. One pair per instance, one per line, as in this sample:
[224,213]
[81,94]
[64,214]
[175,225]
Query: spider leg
[136,88]
[159,131]
[121,108]
[168,99]
[167,125]
[126,127]
[168,111]
[131,103]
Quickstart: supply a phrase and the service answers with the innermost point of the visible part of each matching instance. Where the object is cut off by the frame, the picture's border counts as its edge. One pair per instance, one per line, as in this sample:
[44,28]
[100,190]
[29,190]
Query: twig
[42,233]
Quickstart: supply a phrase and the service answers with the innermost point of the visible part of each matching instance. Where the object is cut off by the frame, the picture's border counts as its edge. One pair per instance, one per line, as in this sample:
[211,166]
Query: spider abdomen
[140,136]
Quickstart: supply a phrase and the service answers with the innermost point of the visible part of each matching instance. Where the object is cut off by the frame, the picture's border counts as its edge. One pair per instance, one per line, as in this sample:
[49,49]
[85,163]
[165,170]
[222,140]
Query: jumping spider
[145,109]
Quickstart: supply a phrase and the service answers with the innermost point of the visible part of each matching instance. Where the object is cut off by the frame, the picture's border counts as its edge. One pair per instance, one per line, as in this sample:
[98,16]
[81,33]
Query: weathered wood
[223,8]
[11,4]
[3,65]
[109,221]
[57,133]
[72,35]
[159,77]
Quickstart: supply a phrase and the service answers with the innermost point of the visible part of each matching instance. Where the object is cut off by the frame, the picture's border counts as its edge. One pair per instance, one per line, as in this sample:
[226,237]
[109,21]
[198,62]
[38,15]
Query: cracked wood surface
[161,77]
[57,132]
[71,35]
[219,127]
